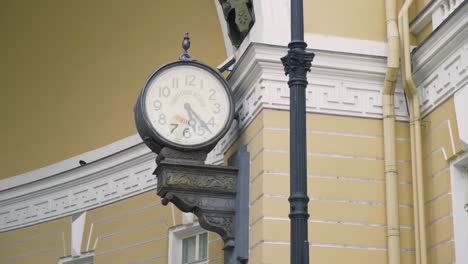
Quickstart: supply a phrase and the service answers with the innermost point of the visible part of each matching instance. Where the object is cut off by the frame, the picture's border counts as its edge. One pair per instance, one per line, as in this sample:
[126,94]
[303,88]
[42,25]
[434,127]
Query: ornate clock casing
[184,105]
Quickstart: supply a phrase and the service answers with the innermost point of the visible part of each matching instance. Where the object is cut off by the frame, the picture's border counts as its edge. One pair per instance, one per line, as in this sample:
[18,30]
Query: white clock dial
[187,105]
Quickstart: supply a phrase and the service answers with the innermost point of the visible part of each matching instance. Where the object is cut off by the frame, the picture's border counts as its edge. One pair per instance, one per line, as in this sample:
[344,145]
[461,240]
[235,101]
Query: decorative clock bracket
[207,191]
[217,195]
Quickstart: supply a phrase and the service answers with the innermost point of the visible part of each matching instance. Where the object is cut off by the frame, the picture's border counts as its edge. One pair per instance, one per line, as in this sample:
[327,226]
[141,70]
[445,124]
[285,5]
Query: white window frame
[459,186]
[176,235]
[85,258]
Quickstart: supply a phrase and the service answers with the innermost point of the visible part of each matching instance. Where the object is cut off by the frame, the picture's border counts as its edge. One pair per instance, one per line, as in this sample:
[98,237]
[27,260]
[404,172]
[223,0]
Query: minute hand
[188,107]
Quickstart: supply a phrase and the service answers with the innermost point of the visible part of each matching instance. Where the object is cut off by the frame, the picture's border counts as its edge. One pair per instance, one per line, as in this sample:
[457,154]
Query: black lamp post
[296,64]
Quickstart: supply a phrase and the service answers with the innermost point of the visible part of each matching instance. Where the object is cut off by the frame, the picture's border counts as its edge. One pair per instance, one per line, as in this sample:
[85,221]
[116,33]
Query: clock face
[187,105]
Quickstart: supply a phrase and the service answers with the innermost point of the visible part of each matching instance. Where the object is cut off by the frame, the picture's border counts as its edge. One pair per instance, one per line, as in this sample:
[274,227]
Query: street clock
[184,105]
[183,110]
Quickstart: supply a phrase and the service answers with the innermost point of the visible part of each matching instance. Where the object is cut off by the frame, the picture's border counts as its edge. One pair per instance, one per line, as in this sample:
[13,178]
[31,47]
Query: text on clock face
[187,105]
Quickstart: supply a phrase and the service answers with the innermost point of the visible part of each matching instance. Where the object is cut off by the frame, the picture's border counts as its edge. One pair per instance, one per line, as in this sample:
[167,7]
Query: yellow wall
[440,144]
[128,231]
[420,4]
[42,243]
[347,189]
[70,71]
[361,19]
[136,229]
[345,184]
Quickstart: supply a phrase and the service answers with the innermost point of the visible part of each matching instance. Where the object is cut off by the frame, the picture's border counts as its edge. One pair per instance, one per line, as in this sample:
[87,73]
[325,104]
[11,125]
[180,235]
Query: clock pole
[296,64]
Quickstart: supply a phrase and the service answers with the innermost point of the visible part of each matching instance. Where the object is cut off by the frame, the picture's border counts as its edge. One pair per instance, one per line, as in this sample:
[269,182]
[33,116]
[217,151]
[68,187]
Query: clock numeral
[174,127]
[217,108]
[157,105]
[164,91]
[162,119]
[201,83]
[212,94]
[190,80]
[211,122]
[175,82]
[200,131]
[186,133]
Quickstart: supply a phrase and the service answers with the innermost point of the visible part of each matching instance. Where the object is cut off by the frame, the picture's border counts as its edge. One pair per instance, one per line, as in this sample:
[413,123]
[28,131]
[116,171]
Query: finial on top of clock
[186,46]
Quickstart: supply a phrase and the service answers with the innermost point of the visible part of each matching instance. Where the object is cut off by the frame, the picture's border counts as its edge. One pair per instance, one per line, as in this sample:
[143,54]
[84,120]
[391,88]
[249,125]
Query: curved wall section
[120,175]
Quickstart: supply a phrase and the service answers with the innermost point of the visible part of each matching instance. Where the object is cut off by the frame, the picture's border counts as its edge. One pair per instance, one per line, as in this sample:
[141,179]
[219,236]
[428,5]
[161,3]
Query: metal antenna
[186,46]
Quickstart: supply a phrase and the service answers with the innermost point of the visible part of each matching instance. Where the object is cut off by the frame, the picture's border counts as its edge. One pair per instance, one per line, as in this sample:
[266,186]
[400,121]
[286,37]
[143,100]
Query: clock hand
[191,121]
[188,107]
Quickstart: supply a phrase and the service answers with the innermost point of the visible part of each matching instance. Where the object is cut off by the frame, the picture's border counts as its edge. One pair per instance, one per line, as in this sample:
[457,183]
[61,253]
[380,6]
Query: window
[195,249]
[459,184]
[85,258]
[466,188]
[188,244]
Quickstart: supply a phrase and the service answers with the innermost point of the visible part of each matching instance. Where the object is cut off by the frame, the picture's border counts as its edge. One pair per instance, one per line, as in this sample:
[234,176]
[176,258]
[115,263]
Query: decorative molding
[339,83]
[441,62]
[69,164]
[444,8]
[424,17]
[436,11]
[116,177]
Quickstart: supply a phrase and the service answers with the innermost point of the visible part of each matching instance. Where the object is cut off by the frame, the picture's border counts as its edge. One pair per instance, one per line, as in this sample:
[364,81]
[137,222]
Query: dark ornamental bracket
[240,18]
[207,191]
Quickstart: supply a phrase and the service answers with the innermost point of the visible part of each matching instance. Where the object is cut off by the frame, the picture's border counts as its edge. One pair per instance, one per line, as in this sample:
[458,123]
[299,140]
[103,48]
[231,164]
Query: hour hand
[191,121]
[192,113]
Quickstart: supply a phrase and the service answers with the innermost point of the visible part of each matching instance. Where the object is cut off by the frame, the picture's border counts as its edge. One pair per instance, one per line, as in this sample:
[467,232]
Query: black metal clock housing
[184,105]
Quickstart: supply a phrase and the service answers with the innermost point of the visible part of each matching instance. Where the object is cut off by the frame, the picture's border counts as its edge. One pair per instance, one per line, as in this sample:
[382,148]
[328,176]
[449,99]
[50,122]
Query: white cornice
[436,11]
[339,83]
[424,17]
[69,164]
[450,36]
[441,62]
[121,174]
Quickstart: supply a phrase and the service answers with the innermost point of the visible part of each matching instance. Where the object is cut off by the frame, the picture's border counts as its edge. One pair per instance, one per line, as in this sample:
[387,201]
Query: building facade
[73,71]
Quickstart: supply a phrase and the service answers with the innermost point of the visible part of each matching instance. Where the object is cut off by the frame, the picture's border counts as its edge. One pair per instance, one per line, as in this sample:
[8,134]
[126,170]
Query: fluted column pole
[296,64]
